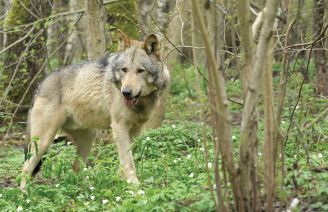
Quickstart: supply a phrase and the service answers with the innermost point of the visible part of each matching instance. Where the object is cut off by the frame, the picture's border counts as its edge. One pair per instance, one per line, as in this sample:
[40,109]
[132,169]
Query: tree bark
[161,17]
[320,55]
[222,122]
[96,43]
[56,31]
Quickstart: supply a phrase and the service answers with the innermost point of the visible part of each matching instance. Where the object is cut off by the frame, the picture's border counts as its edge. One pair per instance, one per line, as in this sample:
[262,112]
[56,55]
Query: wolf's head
[137,69]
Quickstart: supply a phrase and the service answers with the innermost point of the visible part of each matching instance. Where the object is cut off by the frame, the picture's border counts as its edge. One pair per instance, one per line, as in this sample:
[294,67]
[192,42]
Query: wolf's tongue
[129,101]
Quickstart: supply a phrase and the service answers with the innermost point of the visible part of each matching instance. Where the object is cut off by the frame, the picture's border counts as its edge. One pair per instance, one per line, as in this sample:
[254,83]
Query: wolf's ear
[151,46]
[123,41]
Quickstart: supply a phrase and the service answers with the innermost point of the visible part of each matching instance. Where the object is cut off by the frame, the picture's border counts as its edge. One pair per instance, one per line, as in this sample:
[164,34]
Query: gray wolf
[118,91]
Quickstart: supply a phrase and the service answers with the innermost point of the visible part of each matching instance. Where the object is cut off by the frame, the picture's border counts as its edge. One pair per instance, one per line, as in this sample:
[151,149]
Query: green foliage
[170,160]
[123,16]
[17,14]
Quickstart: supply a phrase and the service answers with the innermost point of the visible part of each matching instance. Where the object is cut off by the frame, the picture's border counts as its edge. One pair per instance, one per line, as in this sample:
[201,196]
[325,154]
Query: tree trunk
[161,14]
[74,43]
[320,55]
[57,31]
[96,43]
[25,52]
[4,4]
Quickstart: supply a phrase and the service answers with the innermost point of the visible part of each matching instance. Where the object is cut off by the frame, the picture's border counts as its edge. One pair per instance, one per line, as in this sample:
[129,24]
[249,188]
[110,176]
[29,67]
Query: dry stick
[281,100]
[199,93]
[223,128]
[315,120]
[36,75]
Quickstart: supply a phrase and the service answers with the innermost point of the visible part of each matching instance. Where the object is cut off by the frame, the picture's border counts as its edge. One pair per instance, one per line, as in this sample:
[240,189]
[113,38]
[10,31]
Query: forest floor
[170,161]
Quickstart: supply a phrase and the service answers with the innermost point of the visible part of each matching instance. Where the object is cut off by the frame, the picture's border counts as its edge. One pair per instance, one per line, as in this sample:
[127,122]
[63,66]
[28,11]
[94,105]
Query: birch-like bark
[96,43]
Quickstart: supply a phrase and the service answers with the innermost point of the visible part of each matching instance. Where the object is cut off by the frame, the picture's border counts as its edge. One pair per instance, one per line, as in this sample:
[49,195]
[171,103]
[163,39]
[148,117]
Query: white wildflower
[320,156]
[283,122]
[85,169]
[92,197]
[87,178]
[189,156]
[69,143]
[91,188]
[117,199]
[104,201]
[28,201]
[141,192]
[214,186]
[293,204]
[57,185]
[191,175]
[179,158]
[173,126]
[259,154]
[198,140]
[210,165]
[175,161]
[130,192]
[20,208]
[147,139]
[202,149]
[297,107]
[0,195]
[202,123]
[233,137]
[216,138]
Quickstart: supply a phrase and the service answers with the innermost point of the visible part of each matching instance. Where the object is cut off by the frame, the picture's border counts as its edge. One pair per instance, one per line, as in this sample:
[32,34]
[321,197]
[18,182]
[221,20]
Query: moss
[122,15]
[18,14]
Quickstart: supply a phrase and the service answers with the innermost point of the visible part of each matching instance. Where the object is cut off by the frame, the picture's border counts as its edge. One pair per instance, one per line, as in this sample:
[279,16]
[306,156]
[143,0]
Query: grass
[170,162]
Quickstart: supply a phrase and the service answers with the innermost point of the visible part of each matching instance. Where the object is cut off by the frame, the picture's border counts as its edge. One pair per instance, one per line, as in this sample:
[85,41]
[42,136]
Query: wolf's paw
[23,186]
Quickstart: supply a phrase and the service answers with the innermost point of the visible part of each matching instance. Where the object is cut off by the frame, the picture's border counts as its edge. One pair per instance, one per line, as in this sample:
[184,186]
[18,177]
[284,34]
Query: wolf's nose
[127,92]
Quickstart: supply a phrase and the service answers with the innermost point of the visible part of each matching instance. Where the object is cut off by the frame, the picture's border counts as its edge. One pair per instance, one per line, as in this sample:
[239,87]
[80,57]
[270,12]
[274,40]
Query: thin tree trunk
[73,40]
[320,55]
[96,43]
[162,9]
[269,132]
[222,125]
[56,31]
[248,147]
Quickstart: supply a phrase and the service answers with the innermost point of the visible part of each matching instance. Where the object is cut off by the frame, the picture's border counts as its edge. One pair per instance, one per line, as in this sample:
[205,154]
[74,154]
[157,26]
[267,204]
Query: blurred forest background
[247,113]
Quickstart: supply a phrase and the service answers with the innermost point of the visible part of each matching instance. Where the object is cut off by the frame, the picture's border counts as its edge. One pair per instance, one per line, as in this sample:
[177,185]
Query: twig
[18,41]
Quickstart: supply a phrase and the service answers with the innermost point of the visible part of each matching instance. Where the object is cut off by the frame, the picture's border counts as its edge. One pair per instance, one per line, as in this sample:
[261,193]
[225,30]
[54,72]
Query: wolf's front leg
[122,139]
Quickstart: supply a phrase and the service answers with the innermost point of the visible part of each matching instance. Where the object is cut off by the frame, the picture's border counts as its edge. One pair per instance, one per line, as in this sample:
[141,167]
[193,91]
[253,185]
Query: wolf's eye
[140,70]
[124,70]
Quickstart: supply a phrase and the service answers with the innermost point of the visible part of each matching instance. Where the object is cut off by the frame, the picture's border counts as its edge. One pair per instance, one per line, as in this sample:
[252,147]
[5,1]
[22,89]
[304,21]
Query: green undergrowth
[170,160]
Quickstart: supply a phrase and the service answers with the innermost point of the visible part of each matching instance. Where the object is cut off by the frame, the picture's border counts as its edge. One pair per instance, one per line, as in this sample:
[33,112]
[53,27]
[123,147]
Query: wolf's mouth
[129,101]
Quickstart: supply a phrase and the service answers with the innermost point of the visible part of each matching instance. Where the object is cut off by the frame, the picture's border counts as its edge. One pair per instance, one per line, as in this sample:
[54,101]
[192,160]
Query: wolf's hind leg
[46,119]
[83,140]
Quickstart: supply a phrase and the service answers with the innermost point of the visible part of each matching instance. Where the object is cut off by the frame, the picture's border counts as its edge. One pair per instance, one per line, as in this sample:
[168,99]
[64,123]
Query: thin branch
[18,41]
